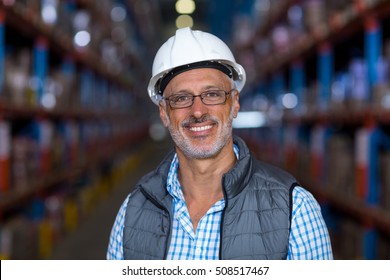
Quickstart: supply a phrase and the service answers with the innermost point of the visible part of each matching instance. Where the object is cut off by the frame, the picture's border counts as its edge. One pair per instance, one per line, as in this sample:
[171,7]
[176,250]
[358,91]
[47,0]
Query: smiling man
[209,198]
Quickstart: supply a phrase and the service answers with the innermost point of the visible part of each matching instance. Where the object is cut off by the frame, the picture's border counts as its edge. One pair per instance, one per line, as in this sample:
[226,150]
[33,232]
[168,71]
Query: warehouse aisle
[89,241]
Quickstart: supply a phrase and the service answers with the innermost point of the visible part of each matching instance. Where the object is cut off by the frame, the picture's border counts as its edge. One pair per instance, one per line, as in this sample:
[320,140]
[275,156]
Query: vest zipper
[222,221]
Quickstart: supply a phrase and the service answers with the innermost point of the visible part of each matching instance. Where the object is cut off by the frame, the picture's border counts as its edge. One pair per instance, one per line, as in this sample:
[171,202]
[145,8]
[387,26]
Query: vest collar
[154,183]
[237,178]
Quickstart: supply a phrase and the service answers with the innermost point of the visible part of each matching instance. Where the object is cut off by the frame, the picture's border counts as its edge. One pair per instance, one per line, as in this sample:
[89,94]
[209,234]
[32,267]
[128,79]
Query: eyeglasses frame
[227,93]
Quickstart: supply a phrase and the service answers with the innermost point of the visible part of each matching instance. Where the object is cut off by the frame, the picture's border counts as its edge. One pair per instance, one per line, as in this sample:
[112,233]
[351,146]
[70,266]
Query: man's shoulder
[273,173]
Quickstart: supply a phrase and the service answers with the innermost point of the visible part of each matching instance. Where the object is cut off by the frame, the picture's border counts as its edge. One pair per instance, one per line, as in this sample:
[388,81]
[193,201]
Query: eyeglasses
[210,97]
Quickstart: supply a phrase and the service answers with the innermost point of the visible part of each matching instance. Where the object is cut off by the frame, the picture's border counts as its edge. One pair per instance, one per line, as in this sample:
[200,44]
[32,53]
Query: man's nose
[198,108]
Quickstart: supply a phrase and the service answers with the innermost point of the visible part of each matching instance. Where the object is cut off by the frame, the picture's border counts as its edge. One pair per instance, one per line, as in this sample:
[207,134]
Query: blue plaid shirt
[309,238]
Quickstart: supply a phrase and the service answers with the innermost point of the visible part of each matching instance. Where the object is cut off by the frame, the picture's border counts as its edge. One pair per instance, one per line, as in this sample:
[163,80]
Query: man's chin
[201,152]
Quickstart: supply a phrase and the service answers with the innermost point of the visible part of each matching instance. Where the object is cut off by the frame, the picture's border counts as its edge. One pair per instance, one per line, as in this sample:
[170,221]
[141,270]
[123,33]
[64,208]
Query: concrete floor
[89,241]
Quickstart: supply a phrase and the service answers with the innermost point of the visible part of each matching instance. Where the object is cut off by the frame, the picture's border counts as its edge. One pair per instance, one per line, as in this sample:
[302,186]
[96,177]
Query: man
[209,198]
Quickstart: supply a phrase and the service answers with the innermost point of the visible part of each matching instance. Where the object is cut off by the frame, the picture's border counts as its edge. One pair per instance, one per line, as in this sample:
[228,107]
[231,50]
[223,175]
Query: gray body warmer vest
[255,222]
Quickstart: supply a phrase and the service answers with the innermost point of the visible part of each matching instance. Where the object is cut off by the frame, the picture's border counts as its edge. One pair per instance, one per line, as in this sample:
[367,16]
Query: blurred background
[77,128]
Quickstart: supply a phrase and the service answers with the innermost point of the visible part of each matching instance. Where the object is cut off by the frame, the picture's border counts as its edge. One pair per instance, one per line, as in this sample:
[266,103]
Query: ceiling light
[118,14]
[251,119]
[82,38]
[184,21]
[185,7]
[290,100]
[49,14]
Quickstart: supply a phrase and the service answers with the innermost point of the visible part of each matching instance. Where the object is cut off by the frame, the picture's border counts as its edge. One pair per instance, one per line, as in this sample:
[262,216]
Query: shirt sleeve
[115,245]
[309,237]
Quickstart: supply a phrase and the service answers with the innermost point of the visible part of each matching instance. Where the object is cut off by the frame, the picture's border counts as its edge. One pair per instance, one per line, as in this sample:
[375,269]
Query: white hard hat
[187,50]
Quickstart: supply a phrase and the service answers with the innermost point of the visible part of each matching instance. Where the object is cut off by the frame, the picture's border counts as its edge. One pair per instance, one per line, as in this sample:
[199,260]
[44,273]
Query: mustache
[204,118]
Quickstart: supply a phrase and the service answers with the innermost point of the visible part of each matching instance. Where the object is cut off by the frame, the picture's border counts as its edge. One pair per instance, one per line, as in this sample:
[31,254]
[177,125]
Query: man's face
[200,131]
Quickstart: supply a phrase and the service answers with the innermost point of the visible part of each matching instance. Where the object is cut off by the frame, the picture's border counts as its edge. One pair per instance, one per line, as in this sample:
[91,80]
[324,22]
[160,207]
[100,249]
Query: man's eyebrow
[212,87]
[203,89]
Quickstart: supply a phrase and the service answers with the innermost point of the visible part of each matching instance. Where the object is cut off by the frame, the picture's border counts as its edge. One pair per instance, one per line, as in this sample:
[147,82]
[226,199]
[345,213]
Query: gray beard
[195,152]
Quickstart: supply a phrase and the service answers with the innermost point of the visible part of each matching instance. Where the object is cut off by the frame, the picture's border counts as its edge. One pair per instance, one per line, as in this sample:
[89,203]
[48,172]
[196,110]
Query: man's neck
[201,181]
[203,177]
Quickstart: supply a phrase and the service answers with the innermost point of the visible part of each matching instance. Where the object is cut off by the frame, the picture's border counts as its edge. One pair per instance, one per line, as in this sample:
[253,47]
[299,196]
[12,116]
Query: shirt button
[198,250]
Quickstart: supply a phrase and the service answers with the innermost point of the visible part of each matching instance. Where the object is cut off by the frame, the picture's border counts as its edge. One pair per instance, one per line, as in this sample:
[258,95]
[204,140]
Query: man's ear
[163,113]
[236,103]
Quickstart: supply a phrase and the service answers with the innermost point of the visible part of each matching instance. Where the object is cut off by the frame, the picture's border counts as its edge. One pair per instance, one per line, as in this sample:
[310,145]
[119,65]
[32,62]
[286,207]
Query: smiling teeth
[201,128]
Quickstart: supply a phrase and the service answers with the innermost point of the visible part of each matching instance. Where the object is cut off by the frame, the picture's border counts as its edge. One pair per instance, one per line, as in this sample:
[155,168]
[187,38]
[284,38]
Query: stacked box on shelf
[339,92]
[290,146]
[384,180]
[367,189]
[40,69]
[351,239]
[54,215]
[367,158]
[298,86]
[325,76]
[65,10]
[106,133]
[31,151]
[59,153]
[310,99]
[35,215]
[17,77]
[359,91]
[384,171]
[303,152]
[87,97]
[32,5]
[264,143]
[340,161]
[2,53]
[334,8]
[314,15]
[25,85]
[383,247]
[43,131]
[60,89]
[381,90]
[271,143]
[41,147]
[22,161]
[71,153]
[383,243]
[347,235]
[88,137]
[5,156]
[318,155]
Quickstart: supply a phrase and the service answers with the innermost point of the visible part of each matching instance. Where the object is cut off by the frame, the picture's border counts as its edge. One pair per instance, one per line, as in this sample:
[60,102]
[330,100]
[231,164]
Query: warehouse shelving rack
[300,141]
[79,144]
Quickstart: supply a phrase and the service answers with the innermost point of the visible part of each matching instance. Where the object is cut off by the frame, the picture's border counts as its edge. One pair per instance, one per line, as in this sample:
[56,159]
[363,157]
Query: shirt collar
[173,184]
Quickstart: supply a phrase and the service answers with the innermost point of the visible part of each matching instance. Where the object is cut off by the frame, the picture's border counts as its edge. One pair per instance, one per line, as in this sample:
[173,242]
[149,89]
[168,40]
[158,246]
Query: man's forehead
[199,79]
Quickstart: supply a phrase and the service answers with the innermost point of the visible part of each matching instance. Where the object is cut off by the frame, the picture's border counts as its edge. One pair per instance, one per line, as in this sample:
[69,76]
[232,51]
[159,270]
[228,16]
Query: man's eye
[181,98]
[212,94]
